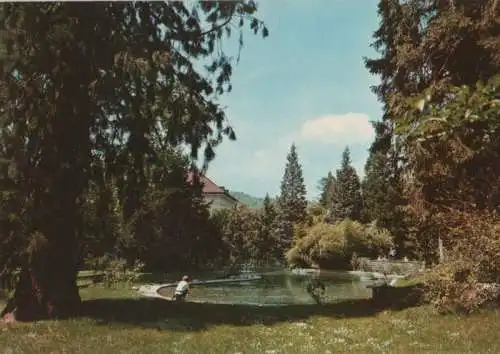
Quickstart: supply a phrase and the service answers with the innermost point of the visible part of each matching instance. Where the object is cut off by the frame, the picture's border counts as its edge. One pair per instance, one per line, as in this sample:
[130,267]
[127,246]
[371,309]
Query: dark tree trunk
[41,295]
[47,285]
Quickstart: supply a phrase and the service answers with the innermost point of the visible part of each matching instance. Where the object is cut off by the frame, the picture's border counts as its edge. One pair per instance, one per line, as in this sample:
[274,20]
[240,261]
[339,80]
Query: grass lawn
[118,321]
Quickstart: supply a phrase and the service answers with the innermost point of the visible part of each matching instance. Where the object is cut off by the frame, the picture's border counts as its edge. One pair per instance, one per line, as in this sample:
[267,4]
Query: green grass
[118,321]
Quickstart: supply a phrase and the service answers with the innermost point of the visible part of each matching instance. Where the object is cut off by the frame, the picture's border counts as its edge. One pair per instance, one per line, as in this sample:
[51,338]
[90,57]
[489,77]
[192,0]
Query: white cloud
[349,128]
[255,163]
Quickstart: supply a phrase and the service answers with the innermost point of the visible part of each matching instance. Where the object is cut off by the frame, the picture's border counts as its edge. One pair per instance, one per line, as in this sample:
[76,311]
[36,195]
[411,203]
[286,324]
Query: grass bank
[118,321]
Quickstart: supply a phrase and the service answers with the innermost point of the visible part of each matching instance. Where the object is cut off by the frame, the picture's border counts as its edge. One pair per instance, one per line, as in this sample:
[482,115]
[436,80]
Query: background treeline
[170,226]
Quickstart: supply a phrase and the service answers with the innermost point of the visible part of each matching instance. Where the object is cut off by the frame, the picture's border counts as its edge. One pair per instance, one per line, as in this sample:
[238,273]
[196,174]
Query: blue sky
[305,83]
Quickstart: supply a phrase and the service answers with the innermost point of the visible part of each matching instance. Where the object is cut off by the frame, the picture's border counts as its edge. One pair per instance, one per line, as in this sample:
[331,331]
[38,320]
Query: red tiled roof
[209,187]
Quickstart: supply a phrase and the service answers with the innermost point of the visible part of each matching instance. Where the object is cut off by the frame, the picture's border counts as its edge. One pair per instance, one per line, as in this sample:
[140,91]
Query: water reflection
[279,288]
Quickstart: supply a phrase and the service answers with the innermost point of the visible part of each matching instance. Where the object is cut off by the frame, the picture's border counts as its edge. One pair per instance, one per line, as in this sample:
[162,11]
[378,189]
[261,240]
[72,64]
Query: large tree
[98,81]
[268,237]
[346,198]
[421,62]
[292,200]
[382,188]
[326,188]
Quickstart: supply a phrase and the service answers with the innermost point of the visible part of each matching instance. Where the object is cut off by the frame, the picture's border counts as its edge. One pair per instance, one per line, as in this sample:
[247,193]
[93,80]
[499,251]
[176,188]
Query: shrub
[352,234]
[306,249]
[378,240]
[116,271]
[468,280]
[333,245]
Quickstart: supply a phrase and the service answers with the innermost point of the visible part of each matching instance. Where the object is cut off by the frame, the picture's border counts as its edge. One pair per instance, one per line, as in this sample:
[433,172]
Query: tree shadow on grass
[189,316]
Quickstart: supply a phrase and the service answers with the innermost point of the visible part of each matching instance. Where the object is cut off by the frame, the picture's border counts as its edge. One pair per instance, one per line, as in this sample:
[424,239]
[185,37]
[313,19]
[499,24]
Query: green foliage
[316,213]
[268,234]
[103,223]
[305,250]
[378,239]
[116,271]
[383,200]
[169,228]
[454,158]
[248,235]
[91,97]
[292,200]
[240,228]
[468,279]
[333,245]
[326,187]
[441,104]
[443,128]
[346,197]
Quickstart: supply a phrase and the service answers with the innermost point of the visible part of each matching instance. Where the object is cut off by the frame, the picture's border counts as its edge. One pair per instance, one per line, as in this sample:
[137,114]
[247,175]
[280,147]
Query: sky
[305,84]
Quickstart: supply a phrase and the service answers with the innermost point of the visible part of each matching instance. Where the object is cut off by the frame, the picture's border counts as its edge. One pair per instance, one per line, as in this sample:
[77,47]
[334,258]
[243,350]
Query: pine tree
[268,227]
[382,199]
[292,200]
[375,187]
[346,201]
[326,187]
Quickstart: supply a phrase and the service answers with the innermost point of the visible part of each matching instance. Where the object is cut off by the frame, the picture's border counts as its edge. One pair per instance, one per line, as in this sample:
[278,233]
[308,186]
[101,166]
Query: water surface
[278,288]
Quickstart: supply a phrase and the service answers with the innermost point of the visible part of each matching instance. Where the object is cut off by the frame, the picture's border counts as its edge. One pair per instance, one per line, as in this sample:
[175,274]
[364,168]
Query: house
[217,196]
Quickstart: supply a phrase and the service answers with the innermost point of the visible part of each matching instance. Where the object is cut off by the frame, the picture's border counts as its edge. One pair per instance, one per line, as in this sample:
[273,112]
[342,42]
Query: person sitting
[182,289]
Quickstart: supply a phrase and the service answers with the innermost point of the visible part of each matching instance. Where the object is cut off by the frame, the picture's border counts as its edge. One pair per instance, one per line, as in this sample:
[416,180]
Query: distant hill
[249,200]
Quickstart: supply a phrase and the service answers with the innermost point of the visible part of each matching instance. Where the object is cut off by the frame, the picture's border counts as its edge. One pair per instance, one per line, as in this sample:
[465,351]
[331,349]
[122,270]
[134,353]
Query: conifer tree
[268,227]
[292,200]
[327,186]
[98,81]
[346,201]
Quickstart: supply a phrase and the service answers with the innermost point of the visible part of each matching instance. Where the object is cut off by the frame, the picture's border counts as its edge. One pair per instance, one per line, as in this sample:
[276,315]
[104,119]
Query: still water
[279,288]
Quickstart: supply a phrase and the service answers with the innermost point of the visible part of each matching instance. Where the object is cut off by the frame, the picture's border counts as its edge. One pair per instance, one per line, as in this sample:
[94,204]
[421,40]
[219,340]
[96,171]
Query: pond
[278,288]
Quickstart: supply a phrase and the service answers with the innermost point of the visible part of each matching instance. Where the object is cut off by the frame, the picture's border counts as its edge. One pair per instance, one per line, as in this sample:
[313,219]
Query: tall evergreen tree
[81,82]
[346,201]
[382,188]
[327,187]
[375,187]
[268,230]
[292,200]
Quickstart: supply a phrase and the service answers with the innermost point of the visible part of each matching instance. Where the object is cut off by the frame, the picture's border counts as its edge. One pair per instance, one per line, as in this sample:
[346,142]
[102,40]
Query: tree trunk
[44,294]
[60,118]
[47,285]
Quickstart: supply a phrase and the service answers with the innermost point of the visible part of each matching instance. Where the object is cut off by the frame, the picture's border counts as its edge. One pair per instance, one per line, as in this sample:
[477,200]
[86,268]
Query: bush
[469,279]
[117,271]
[333,245]
[453,287]
[306,249]
[378,240]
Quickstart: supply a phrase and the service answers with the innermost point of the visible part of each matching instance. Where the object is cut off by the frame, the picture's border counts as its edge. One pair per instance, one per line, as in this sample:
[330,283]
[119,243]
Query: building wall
[219,201]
